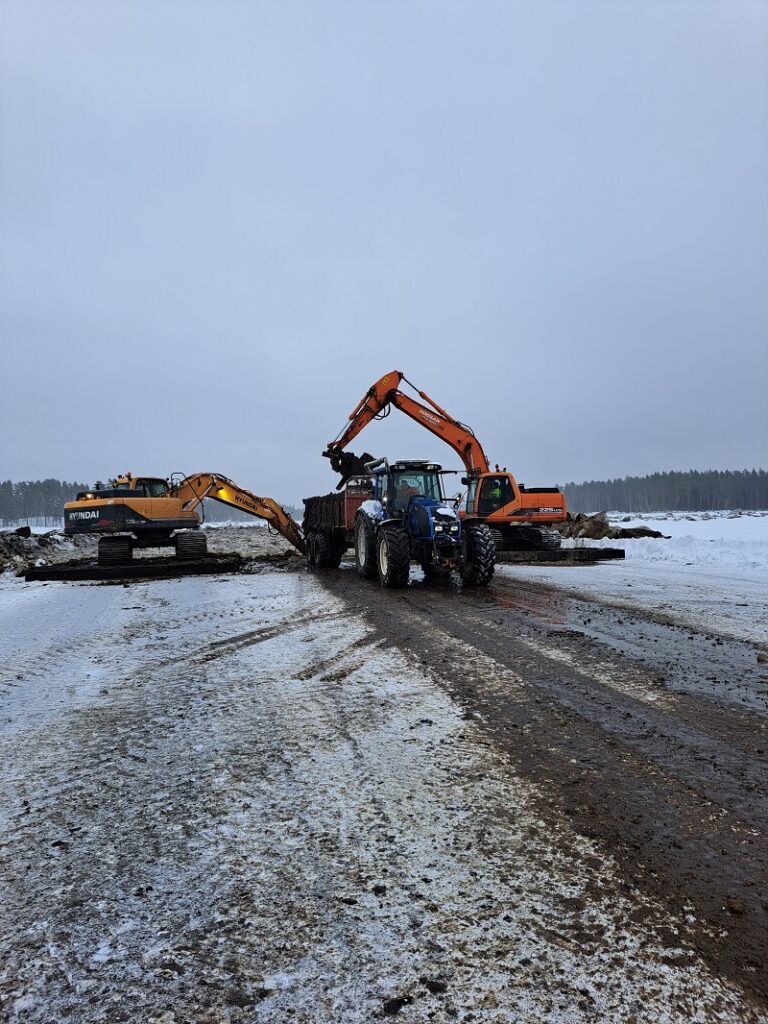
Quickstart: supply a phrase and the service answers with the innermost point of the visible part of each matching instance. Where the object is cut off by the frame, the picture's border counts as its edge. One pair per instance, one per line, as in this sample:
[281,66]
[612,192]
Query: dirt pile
[597,527]
[250,540]
[21,549]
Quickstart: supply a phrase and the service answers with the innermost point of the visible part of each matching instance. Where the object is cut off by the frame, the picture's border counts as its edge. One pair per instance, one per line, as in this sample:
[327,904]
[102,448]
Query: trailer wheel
[311,551]
[365,547]
[115,550]
[191,545]
[327,552]
[479,553]
[393,557]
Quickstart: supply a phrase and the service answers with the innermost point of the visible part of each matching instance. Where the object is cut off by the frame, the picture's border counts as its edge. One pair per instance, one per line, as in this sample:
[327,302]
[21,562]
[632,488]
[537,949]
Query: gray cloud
[220,222]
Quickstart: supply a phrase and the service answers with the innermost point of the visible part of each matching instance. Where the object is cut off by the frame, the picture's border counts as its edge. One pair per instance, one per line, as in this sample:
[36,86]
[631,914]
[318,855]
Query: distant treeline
[42,503]
[41,500]
[690,491]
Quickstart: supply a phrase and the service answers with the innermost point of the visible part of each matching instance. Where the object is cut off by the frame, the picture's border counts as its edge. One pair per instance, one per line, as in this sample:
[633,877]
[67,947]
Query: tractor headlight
[455,528]
[438,528]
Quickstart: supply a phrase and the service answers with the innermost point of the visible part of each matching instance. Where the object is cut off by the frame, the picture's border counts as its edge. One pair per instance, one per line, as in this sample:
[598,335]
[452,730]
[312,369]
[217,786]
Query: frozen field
[290,796]
[712,573]
[234,800]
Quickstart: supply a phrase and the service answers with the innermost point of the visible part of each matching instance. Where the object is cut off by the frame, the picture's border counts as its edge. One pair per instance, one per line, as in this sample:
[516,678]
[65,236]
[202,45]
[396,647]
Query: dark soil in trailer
[648,735]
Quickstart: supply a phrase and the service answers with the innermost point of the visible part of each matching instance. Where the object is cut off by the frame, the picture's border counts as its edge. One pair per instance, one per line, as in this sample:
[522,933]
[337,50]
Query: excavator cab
[495,491]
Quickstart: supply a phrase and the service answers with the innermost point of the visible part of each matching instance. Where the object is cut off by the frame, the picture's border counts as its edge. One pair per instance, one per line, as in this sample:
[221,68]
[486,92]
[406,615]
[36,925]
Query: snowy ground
[229,800]
[711,573]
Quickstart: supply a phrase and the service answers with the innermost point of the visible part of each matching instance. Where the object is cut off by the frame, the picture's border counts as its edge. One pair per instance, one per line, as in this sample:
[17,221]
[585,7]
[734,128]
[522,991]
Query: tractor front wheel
[393,557]
[479,553]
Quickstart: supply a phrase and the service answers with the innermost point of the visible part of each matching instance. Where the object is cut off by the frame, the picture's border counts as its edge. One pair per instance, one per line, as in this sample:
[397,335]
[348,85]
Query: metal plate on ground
[139,568]
[564,556]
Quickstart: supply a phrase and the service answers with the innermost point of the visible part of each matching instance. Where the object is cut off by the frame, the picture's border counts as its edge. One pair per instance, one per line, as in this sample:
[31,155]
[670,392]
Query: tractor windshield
[415,484]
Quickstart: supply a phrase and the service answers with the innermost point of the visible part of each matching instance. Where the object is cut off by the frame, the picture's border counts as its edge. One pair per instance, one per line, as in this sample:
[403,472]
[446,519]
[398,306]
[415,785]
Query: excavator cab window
[152,488]
[495,491]
[471,495]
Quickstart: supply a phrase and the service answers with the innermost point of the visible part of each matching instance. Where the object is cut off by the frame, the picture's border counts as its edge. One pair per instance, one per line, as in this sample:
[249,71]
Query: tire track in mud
[669,781]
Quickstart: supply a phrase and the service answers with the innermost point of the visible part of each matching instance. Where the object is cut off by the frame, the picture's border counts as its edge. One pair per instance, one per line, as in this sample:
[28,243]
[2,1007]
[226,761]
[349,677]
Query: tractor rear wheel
[393,557]
[327,552]
[479,553]
[365,547]
[191,545]
[115,550]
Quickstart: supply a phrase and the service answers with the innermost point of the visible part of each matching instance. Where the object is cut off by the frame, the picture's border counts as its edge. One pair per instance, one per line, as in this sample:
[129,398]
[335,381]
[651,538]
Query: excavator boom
[385,392]
[193,489]
[519,516]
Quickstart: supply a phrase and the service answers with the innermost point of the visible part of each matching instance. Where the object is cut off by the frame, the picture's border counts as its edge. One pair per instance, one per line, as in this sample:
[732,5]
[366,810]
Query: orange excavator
[519,516]
[148,512]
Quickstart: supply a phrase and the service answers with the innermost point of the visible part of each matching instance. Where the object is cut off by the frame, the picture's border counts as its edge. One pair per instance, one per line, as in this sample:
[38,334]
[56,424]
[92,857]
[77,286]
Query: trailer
[329,522]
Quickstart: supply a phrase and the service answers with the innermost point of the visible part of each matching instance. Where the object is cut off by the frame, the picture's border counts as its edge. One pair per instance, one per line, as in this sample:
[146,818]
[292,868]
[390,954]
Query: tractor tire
[191,545]
[393,557]
[327,552]
[365,547]
[115,550]
[479,556]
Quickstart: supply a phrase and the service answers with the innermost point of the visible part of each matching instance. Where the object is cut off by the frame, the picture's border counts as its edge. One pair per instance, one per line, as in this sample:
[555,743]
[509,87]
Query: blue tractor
[408,519]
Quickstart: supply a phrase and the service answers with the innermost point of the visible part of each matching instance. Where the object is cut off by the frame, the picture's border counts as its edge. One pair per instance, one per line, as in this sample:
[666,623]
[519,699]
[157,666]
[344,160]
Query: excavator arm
[375,404]
[193,489]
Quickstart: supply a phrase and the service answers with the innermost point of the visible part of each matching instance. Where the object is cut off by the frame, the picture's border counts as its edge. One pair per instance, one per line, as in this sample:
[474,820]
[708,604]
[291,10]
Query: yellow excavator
[149,512]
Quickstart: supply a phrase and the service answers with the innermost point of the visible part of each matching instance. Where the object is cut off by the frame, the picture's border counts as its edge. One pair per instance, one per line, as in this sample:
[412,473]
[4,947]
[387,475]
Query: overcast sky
[220,222]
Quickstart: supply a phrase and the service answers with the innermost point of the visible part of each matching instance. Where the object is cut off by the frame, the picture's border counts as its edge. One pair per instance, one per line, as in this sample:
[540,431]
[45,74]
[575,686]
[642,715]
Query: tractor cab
[408,480]
[412,492]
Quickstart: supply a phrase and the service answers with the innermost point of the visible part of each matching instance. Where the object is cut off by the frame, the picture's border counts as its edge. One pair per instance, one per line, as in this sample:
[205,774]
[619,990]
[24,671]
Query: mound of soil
[21,549]
[597,527]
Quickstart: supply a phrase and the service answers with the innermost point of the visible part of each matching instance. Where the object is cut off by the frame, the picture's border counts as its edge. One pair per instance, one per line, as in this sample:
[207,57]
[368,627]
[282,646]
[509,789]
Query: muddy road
[648,735]
[291,796]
